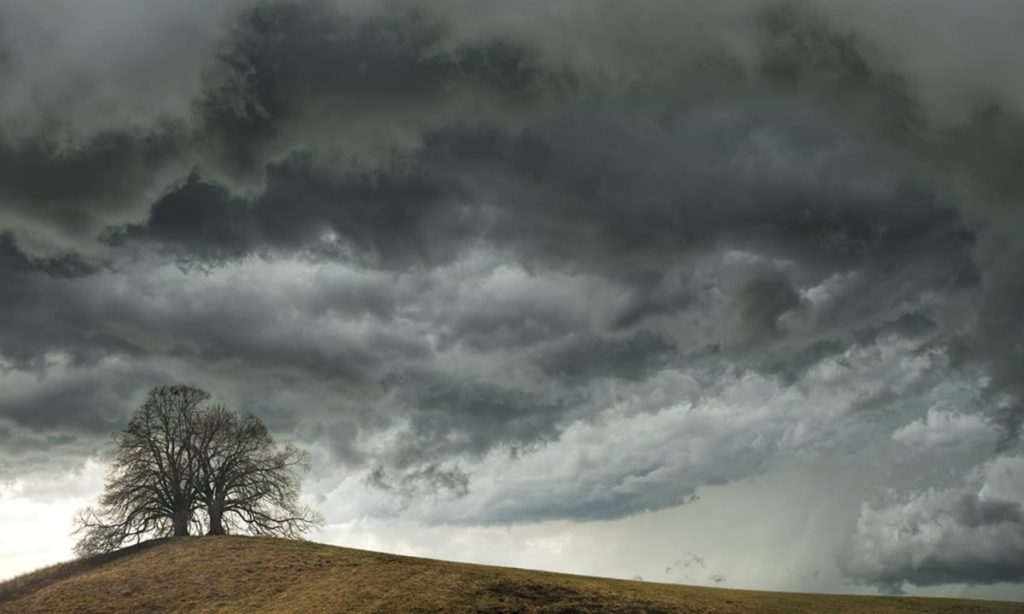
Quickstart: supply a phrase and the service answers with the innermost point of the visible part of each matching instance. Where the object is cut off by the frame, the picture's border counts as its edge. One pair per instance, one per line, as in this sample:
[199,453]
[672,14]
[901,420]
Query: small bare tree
[179,456]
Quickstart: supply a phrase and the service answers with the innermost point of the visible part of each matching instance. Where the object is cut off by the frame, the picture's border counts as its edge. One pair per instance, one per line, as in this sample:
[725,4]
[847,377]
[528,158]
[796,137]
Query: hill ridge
[247,574]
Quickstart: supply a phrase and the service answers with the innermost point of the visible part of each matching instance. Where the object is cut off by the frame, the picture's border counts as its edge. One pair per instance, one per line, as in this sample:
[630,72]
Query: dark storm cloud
[286,62]
[605,190]
[792,367]
[292,65]
[50,421]
[971,159]
[616,193]
[110,167]
[974,512]
[451,415]
[13,261]
[63,196]
[912,325]
[287,77]
[763,301]
[900,242]
[522,318]
[62,405]
[973,534]
[91,317]
[203,220]
[429,480]
[632,357]
[568,194]
[391,219]
[336,342]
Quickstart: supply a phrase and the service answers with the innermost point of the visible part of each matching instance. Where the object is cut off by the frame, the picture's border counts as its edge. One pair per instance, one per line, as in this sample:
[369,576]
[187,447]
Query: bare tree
[248,483]
[150,490]
[182,465]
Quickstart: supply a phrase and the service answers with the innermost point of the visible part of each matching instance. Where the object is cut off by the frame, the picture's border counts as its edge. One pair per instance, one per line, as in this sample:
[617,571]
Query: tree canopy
[185,466]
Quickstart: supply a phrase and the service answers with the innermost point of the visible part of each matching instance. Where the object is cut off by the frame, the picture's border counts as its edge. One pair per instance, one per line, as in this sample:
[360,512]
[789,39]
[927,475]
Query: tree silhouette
[245,481]
[182,466]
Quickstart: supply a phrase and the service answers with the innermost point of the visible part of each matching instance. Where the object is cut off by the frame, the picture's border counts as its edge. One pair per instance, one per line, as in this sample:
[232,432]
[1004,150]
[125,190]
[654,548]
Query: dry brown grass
[247,574]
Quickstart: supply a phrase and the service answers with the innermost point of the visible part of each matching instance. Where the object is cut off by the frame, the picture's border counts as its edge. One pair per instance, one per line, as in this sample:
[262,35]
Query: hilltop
[249,574]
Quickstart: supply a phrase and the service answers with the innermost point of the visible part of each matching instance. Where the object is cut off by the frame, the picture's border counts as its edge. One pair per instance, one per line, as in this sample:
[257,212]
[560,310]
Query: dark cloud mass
[972,534]
[533,263]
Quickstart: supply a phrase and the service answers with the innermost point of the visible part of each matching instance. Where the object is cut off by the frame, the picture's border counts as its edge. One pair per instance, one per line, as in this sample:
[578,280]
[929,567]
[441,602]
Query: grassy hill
[246,574]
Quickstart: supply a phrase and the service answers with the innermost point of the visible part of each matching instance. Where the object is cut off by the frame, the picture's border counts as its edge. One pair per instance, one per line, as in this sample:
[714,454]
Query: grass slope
[248,574]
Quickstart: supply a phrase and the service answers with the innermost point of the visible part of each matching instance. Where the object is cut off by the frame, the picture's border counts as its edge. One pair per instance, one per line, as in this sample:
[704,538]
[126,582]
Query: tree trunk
[181,518]
[216,521]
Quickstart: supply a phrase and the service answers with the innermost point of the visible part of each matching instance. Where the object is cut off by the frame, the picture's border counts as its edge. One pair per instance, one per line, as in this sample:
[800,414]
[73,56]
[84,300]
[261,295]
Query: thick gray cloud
[527,263]
[633,357]
[969,534]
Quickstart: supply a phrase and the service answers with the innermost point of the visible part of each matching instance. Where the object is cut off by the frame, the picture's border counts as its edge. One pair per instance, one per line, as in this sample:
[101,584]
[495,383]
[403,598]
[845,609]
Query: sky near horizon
[723,293]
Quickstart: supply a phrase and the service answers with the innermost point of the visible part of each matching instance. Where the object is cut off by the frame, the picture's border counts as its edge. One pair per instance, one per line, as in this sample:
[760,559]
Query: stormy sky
[722,293]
